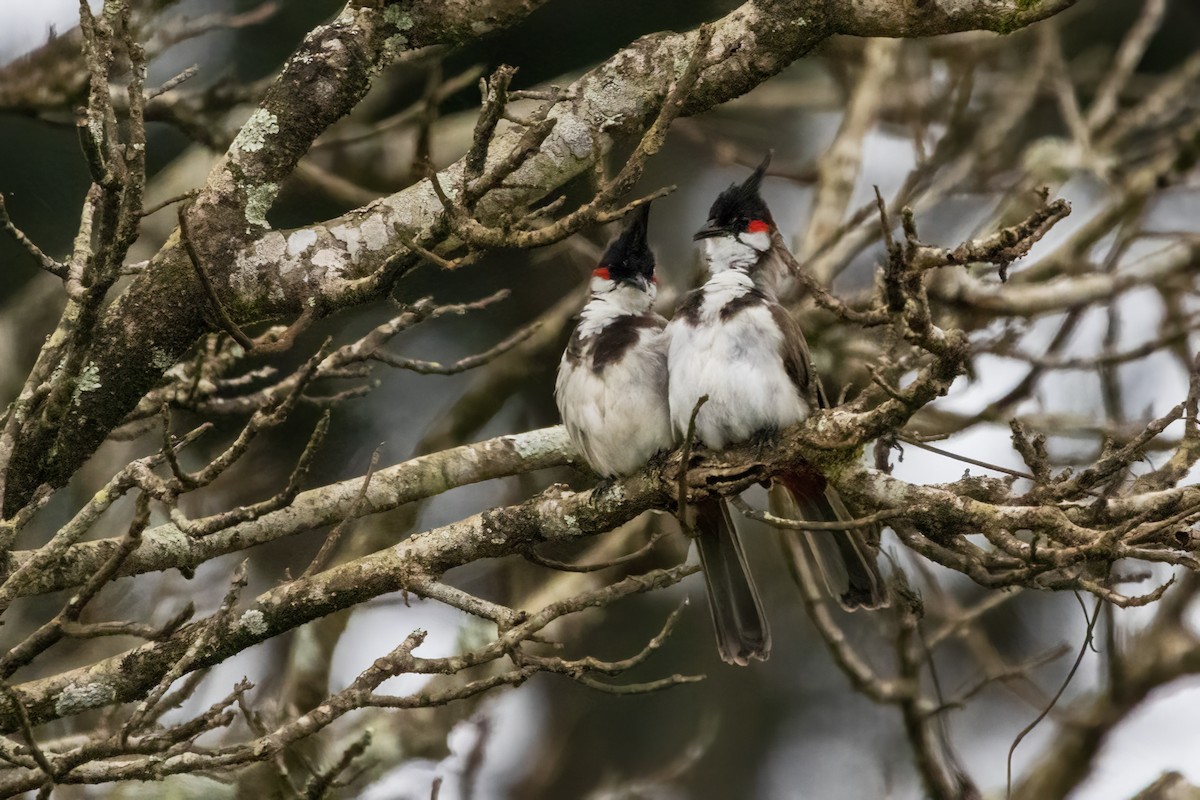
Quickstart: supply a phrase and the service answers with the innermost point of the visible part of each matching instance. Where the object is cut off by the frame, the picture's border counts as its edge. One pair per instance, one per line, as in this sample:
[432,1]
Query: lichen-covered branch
[166,547]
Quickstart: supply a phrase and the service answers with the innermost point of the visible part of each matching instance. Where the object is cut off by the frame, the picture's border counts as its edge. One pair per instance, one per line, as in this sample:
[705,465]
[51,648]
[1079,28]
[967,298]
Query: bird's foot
[604,484]
[763,441]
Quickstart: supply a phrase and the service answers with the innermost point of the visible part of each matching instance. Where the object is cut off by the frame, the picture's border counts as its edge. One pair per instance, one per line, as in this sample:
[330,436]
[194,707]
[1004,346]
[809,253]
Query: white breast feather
[736,362]
[618,419]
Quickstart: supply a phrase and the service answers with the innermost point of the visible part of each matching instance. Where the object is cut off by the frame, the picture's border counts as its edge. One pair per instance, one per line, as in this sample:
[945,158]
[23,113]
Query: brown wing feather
[611,344]
[796,359]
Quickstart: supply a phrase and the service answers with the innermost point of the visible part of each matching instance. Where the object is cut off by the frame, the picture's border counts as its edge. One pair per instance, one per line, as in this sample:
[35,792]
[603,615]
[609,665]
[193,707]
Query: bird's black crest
[735,207]
[629,255]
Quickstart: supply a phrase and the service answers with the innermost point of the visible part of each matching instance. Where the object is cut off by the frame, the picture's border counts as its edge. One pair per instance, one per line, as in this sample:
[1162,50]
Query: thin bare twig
[223,319]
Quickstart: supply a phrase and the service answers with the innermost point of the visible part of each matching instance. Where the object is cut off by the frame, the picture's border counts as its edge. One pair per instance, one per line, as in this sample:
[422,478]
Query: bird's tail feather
[844,559]
[738,619]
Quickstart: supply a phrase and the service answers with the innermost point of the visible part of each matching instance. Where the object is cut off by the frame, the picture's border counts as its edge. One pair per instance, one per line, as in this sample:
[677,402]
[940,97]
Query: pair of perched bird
[629,382]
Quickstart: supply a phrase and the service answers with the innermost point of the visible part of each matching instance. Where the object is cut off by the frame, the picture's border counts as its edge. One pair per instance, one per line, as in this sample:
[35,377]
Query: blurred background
[789,728]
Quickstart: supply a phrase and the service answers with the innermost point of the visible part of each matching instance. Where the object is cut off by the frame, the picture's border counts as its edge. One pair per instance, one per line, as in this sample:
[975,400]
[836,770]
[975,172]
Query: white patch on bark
[254,621]
[575,135]
[328,259]
[173,540]
[245,277]
[958,8]
[374,233]
[539,443]
[349,236]
[224,184]
[300,241]
[617,98]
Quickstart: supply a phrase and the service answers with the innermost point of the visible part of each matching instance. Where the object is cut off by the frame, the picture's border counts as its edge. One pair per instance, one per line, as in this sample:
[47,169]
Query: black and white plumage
[612,395]
[733,341]
[612,380]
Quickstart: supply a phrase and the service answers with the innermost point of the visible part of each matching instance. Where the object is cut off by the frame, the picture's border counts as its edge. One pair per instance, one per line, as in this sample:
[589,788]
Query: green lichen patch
[397,17]
[253,135]
[88,381]
[394,45]
[258,202]
[161,359]
[81,697]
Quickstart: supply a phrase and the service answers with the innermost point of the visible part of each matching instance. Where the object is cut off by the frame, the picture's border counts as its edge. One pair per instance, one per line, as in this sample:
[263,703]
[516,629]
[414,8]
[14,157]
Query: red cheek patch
[757,226]
[601,273]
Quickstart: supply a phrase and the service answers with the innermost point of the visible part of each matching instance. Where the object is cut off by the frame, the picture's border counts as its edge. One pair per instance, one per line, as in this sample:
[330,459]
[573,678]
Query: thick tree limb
[166,547]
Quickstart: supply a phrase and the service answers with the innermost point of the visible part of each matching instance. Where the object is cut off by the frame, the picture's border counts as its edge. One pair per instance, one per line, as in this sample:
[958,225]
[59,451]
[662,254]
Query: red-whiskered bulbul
[612,380]
[732,340]
[612,394]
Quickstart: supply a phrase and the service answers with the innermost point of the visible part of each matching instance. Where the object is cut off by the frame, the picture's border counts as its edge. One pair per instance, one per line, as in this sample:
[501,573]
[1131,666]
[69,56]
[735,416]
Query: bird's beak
[709,230]
[640,282]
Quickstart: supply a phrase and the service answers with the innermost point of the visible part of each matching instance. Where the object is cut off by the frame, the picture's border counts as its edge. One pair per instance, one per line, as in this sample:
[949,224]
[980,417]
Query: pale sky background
[23,25]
